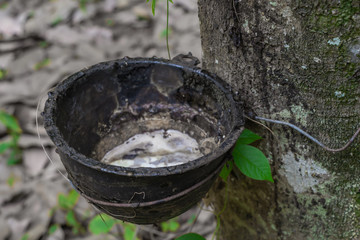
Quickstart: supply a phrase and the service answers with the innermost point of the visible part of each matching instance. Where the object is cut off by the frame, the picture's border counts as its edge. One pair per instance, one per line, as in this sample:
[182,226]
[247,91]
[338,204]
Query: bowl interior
[111,102]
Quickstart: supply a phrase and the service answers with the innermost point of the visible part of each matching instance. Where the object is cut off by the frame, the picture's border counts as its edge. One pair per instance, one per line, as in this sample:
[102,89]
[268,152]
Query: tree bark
[296,61]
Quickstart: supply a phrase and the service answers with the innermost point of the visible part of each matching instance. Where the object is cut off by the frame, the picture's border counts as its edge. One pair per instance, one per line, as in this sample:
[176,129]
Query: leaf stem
[167,28]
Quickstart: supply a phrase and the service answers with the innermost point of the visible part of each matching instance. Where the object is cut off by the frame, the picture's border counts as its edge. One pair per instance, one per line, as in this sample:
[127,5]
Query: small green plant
[4,5]
[82,4]
[67,204]
[250,160]
[3,73]
[43,44]
[14,132]
[56,21]
[110,22]
[44,63]
[25,236]
[73,222]
[11,180]
[52,229]
[129,231]
[101,223]
[170,226]
[165,32]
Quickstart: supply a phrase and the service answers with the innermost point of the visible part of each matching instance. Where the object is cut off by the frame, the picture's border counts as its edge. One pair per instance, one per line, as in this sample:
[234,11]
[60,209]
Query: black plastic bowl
[98,108]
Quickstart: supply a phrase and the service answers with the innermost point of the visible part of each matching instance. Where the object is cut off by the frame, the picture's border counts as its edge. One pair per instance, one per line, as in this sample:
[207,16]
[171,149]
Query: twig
[21,39]
[263,125]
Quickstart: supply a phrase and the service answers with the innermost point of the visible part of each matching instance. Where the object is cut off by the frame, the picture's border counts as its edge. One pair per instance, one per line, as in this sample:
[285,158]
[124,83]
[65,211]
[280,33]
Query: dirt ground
[42,42]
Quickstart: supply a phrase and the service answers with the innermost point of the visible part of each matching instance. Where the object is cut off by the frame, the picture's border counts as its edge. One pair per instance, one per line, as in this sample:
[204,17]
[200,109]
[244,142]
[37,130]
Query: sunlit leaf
[191,236]
[247,137]
[98,226]
[252,162]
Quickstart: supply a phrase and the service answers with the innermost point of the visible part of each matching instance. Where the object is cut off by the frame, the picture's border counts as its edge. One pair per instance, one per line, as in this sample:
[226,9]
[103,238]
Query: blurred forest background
[42,42]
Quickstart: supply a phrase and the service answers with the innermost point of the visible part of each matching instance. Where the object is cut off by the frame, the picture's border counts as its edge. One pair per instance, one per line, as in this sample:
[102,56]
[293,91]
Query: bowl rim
[63,147]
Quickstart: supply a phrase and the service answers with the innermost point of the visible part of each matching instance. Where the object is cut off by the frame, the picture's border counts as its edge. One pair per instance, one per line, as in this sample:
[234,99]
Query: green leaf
[69,201]
[247,137]
[56,21]
[4,146]
[25,236]
[42,64]
[129,231]
[10,122]
[252,162]
[70,219]
[73,222]
[3,5]
[226,170]
[153,5]
[165,32]
[172,225]
[14,158]
[3,73]
[52,229]
[11,180]
[44,44]
[83,5]
[191,236]
[171,1]
[98,226]
[52,211]
[191,219]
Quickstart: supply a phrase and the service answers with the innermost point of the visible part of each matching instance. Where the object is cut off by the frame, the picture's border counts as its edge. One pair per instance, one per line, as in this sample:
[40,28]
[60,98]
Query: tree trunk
[296,61]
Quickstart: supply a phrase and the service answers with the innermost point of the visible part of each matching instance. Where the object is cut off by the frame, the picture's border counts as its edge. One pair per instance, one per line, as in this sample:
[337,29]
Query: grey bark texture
[296,61]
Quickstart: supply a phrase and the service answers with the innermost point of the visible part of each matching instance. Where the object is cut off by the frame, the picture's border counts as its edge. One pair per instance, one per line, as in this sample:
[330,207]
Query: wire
[42,145]
[309,136]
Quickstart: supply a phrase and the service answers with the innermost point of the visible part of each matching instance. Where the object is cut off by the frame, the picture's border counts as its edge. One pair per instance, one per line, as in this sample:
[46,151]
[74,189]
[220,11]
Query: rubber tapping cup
[103,106]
